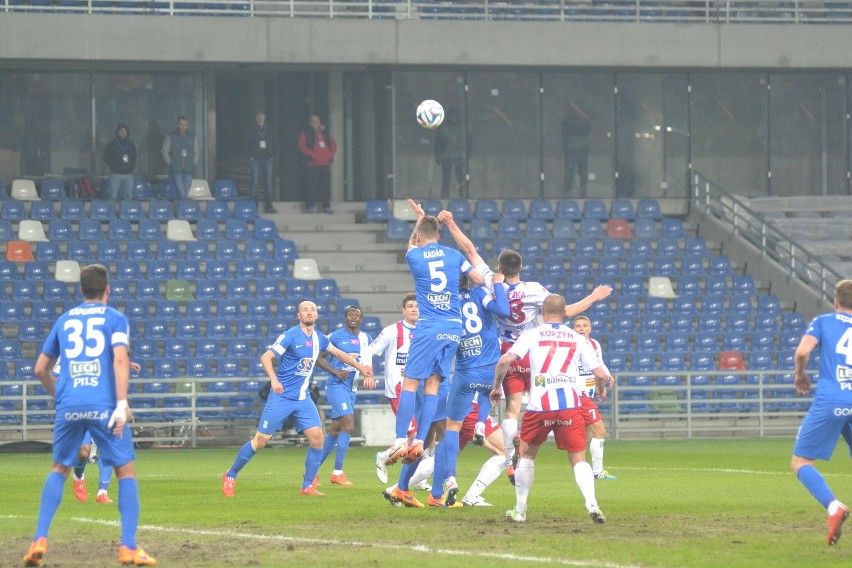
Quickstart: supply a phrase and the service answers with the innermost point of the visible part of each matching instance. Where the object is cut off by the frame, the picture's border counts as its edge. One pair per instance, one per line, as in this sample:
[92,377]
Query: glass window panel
[578,123]
[652,135]
[45,128]
[505,145]
[417,172]
[807,134]
[729,137]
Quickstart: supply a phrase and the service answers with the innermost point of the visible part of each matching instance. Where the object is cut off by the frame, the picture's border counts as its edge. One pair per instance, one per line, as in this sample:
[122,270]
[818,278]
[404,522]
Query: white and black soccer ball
[430,114]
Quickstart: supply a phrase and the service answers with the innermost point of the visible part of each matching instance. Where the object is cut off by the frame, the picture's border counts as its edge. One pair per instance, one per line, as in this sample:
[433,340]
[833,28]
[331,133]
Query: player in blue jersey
[476,358]
[435,270]
[297,350]
[830,415]
[91,395]
[341,388]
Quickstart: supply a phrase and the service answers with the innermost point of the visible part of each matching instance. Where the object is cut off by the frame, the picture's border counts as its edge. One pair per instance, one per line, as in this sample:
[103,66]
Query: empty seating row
[55,190]
[114,250]
[129,210]
[490,210]
[143,230]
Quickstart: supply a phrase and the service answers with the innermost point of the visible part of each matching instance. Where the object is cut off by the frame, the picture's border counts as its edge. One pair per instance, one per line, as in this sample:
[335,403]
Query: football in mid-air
[430,114]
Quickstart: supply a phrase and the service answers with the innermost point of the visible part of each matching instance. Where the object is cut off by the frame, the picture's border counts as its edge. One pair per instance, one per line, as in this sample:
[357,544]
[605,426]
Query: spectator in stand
[318,148]
[261,150]
[180,152]
[120,156]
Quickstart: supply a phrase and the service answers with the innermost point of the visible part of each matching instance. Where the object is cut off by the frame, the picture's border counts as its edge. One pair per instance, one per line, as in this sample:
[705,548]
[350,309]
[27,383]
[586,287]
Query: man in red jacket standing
[318,148]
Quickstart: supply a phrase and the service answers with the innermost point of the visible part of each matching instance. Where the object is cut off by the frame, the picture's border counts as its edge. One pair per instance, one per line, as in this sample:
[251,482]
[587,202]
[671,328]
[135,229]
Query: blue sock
[342,446]
[243,457]
[484,406]
[815,483]
[105,472]
[424,421]
[128,507]
[51,497]
[440,467]
[405,412]
[451,441]
[327,446]
[406,473]
[312,463]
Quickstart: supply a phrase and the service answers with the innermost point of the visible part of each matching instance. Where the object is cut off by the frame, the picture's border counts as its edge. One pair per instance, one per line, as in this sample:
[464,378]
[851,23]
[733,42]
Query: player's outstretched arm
[365,370]
[601,292]
[323,364]
[464,243]
[499,303]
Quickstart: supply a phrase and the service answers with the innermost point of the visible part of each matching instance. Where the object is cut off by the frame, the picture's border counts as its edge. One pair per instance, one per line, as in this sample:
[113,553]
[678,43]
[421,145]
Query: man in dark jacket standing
[261,148]
[120,156]
[318,148]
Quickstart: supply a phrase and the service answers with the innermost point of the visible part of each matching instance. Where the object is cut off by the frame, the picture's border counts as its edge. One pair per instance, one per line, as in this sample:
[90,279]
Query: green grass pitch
[706,503]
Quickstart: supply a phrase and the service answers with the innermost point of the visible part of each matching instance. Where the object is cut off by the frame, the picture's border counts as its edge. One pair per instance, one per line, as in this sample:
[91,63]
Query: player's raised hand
[498,278]
[446,217]
[601,292]
[416,208]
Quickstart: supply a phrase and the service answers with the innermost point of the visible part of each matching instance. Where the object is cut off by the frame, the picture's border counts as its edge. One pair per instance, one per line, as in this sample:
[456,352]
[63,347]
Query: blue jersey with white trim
[355,345]
[480,344]
[84,337]
[834,333]
[435,269]
[297,354]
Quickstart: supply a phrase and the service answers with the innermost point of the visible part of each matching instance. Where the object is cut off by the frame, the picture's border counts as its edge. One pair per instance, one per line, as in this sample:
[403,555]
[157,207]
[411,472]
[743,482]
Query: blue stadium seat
[692,265]
[257,308]
[713,306]
[150,230]
[228,309]
[648,343]
[277,269]
[378,210]
[398,230]
[595,209]
[530,249]
[432,206]
[188,210]
[218,269]
[80,251]
[142,190]
[119,290]
[508,229]
[188,270]
[541,209]
[158,269]
[740,304]
[200,367]
[695,246]
[765,322]
[131,210]
[60,230]
[42,211]
[715,284]
[37,270]
[102,210]
[514,209]
[558,247]
[9,271]
[225,189]
[568,209]
[249,328]
[656,306]
[665,266]
[613,247]
[486,209]
[147,290]
[15,210]
[789,339]
[247,269]
[743,284]
[207,348]
[371,325]
[90,230]
[636,266]
[709,323]
[737,323]
[480,229]
[207,289]
[255,249]
[230,367]
[649,208]
[44,311]
[137,310]
[236,229]
[128,270]
[160,210]
[11,311]
[734,341]
[632,286]
[265,229]
[237,289]
[591,228]
[25,291]
[537,229]
[157,329]
[326,288]
[763,341]
[643,362]
[461,209]
[6,231]
[139,250]
[688,286]
[719,265]
[108,251]
[207,230]
[10,349]
[768,304]
[53,190]
[671,227]
[760,361]
[217,211]
[680,323]
[164,368]
[622,209]
[564,229]
[619,343]
[72,210]
[583,266]
[198,250]
[198,309]
[645,229]
[793,322]
[641,248]
[167,309]
[176,348]
[609,266]
[677,342]
[287,309]
[120,230]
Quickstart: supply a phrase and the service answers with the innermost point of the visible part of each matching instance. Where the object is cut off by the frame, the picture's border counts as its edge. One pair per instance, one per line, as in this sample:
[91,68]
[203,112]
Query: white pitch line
[350,543]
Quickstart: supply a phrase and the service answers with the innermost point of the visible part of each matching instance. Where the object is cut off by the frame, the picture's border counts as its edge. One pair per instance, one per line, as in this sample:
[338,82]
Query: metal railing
[652,11]
[797,259]
[759,404]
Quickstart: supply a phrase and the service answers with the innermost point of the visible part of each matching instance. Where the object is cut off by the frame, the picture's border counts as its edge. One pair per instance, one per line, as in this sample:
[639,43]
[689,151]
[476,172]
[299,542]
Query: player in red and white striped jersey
[595,430]
[555,353]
